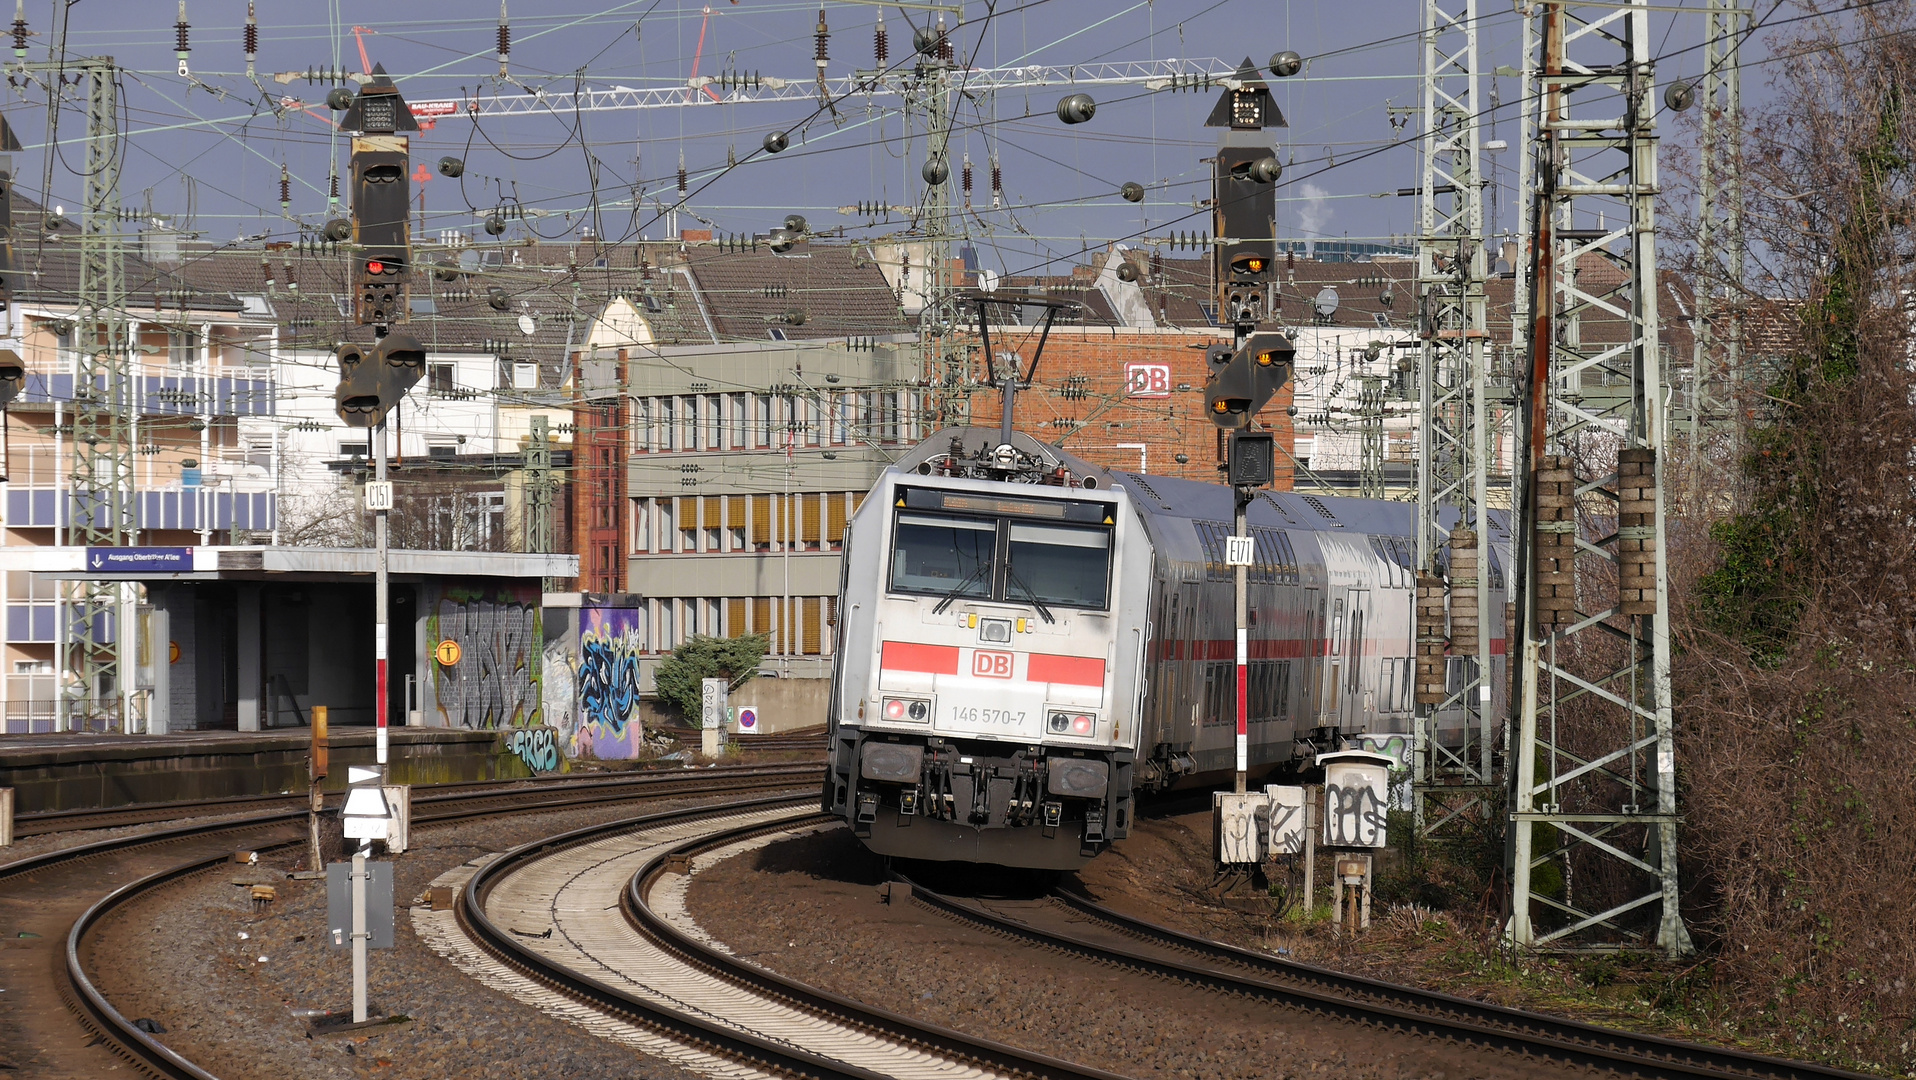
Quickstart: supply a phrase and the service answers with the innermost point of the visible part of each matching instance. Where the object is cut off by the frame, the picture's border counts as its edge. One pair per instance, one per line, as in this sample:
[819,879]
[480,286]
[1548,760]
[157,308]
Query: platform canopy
[266,562]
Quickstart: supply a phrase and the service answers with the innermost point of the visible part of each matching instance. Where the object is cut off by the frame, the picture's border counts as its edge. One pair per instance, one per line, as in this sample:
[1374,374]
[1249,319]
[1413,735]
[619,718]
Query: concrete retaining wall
[77,773]
[783,705]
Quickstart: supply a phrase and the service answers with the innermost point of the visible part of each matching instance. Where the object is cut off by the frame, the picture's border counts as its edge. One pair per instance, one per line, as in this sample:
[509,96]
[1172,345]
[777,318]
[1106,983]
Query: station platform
[75,771]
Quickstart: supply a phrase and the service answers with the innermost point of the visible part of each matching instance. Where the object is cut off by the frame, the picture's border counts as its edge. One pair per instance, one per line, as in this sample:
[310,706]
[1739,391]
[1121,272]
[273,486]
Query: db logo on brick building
[1147,380]
[991,665]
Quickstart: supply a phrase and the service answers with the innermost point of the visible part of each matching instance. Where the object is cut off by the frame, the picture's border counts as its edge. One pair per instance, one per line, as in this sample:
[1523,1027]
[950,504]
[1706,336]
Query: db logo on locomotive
[991,665]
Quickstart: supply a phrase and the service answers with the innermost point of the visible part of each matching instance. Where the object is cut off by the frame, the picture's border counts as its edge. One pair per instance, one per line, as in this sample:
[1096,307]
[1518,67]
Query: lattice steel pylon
[1370,426]
[939,316]
[1453,759]
[1716,362]
[1592,782]
[102,508]
[538,524]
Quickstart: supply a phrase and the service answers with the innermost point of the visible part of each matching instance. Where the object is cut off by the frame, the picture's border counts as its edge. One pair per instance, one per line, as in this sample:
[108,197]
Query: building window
[182,347]
[439,380]
[714,423]
[355,449]
[259,453]
[737,407]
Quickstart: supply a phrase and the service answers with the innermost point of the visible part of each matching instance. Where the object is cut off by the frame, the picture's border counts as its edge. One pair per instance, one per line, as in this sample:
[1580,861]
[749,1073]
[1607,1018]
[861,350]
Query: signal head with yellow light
[1256,372]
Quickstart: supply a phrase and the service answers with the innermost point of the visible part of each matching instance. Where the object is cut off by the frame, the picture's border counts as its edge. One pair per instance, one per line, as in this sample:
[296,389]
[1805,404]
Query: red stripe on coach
[1076,670]
[932,659]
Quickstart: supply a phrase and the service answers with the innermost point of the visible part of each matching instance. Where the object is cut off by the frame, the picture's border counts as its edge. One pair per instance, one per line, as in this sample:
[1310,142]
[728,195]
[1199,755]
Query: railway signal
[1244,199]
[373,380]
[382,229]
[1245,383]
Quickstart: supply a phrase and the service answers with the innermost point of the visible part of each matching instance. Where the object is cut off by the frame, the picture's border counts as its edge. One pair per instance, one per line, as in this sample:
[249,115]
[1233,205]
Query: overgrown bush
[680,677]
[1796,624]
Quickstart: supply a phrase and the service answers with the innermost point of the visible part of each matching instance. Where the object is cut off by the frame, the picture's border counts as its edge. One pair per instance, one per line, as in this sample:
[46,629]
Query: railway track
[592,925]
[1069,921]
[58,895]
[51,821]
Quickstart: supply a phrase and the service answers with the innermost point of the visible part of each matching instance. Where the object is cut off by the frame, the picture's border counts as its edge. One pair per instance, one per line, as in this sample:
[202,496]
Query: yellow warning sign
[447,653]
[172,652]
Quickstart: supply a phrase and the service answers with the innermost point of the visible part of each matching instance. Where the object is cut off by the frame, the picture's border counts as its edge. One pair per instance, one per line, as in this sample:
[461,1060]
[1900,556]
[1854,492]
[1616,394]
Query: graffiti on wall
[495,681]
[535,746]
[1399,748]
[607,683]
[1355,814]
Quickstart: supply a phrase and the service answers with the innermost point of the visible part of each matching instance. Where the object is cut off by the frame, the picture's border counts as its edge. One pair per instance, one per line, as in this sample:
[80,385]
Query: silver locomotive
[1026,642]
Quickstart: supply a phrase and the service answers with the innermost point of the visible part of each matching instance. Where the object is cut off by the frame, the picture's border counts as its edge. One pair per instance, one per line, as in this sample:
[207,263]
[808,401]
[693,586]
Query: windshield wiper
[960,587]
[1030,594]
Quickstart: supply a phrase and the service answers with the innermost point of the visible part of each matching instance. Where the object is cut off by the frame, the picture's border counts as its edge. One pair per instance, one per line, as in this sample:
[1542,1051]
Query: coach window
[943,555]
[1057,564]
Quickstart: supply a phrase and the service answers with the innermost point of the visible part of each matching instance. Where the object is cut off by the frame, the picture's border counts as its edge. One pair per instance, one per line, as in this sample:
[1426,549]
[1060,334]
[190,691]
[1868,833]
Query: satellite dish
[1327,301]
[527,326]
[987,281]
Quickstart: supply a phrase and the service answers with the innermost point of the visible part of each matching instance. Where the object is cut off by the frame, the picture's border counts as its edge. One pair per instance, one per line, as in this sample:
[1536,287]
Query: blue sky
[206,151]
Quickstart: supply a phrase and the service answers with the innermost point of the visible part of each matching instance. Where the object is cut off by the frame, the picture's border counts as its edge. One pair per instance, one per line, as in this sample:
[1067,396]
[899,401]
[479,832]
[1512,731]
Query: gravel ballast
[809,909]
[225,980]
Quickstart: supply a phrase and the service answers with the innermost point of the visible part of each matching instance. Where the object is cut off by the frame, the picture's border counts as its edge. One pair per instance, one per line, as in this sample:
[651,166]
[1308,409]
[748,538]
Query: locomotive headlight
[907,710]
[1071,722]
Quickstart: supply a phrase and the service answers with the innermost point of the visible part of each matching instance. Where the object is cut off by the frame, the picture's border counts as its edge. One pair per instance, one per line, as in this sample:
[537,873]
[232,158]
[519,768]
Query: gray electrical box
[379,905]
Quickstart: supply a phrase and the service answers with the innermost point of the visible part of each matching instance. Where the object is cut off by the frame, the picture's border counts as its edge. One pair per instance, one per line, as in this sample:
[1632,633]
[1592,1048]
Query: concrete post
[247,647]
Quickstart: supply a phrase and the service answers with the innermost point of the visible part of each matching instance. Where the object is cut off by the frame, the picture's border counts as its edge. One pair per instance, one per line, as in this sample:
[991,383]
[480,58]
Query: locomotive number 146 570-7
[974,715]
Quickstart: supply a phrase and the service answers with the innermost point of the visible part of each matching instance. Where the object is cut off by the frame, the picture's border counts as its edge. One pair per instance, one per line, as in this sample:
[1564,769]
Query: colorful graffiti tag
[535,747]
[495,682]
[607,683]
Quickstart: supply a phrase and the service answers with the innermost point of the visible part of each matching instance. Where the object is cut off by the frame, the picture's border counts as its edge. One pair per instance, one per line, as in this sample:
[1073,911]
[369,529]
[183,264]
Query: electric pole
[1452,775]
[1594,630]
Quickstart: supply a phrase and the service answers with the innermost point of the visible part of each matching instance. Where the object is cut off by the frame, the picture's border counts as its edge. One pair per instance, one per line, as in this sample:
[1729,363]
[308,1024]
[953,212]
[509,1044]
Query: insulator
[180,45]
[965,179]
[250,36]
[1076,108]
[776,141]
[683,188]
[20,28]
[881,43]
[332,186]
[1132,191]
[1157,264]
[285,188]
[821,37]
[997,183]
[505,38]
[944,41]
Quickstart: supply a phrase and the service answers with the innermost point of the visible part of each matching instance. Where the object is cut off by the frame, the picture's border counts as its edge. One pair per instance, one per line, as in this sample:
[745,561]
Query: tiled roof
[815,290]
[46,270]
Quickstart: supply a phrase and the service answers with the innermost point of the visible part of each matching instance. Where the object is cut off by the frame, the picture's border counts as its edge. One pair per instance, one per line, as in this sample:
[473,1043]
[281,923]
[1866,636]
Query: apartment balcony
[190,509]
[159,395]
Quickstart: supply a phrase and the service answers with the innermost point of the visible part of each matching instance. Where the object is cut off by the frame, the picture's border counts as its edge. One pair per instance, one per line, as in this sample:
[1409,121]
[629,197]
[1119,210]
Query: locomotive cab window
[943,555]
[992,549]
[1058,564]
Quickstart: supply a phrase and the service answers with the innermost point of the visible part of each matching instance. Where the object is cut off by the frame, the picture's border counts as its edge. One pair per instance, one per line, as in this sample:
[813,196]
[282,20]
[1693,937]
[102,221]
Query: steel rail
[42,822]
[1374,1003]
[149,1054]
[986,1053]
